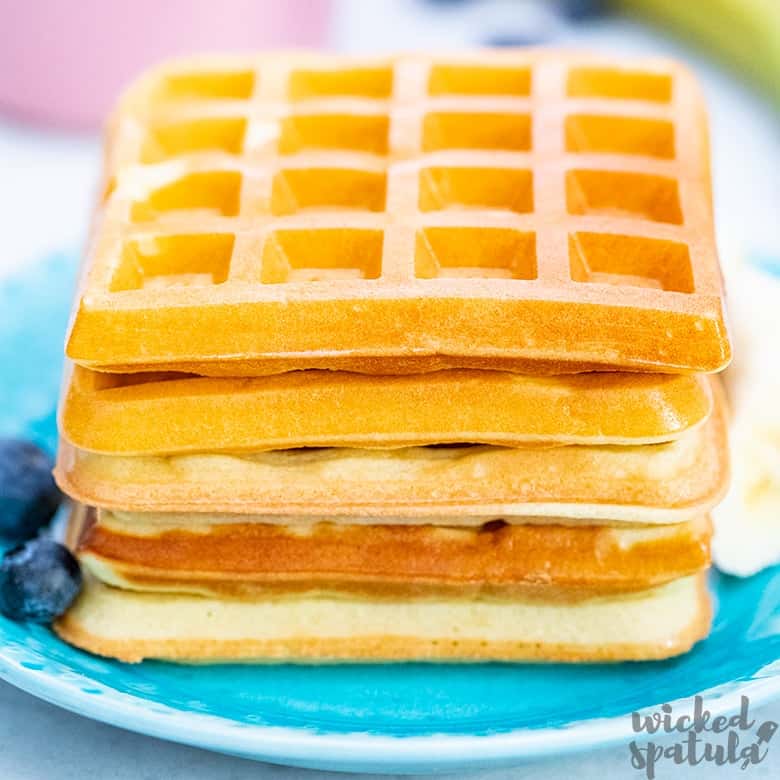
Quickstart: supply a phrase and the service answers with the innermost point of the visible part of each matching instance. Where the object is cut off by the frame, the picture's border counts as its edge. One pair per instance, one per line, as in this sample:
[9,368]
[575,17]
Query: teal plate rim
[356,751]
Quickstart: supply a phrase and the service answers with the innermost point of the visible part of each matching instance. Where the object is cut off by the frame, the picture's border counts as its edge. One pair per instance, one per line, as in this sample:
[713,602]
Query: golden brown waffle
[540,211]
[453,485]
[157,414]
[253,560]
[655,623]
[136,622]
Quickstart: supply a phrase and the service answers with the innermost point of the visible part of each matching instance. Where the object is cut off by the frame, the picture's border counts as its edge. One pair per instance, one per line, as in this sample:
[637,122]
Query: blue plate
[394,718]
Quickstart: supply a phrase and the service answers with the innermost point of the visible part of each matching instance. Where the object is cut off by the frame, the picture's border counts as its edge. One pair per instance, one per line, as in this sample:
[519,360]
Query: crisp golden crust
[522,208]
[162,414]
[255,559]
[658,623]
[668,483]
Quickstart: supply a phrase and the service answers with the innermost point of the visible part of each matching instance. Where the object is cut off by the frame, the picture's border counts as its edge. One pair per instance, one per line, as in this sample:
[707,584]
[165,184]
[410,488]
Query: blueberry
[580,10]
[38,581]
[28,496]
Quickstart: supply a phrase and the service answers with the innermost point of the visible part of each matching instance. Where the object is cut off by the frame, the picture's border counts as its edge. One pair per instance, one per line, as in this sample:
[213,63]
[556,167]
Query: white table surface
[46,188]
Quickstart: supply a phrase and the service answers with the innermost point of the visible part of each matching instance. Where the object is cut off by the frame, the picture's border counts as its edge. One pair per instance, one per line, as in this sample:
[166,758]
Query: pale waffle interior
[289,211]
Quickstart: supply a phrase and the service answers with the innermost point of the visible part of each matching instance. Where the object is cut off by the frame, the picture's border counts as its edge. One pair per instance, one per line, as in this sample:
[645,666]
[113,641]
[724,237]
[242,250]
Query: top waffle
[525,210]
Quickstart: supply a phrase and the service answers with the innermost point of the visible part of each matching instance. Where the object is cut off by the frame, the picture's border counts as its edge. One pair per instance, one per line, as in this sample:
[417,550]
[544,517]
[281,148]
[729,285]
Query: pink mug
[65,61]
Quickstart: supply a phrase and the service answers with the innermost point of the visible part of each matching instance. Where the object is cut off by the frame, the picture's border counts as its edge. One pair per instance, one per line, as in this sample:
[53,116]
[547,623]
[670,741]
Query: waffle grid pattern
[282,170]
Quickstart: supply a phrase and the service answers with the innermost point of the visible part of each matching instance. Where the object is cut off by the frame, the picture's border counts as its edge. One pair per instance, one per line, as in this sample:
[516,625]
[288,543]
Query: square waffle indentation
[187,260]
[368,82]
[485,253]
[322,255]
[188,136]
[466,130]
[618,83]
[209,192]
[604,258]
[621,193]
[227,85]
[505,189]
[355,132]
[479,80]
[296,189]
[620,135]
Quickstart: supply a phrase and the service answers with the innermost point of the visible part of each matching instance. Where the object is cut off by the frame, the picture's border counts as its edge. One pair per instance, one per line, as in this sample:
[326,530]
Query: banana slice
[747,523]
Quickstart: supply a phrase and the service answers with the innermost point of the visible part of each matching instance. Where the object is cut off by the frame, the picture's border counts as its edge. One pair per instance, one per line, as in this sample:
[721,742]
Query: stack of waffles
[399,359]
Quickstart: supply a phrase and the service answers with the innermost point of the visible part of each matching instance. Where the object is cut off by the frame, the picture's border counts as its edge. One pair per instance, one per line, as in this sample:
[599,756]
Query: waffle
[153,414]
[254,560]
[656,623]
[670,482]
[538,211]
